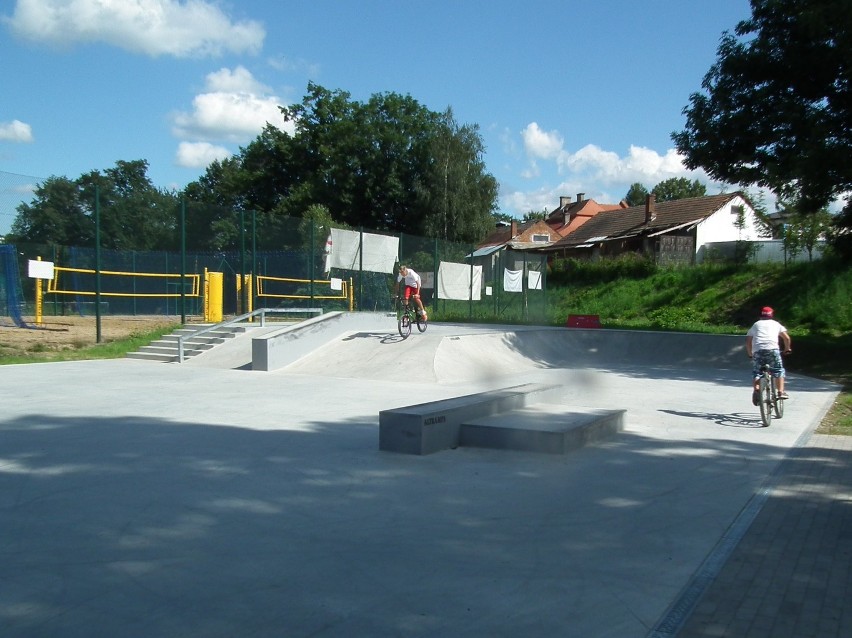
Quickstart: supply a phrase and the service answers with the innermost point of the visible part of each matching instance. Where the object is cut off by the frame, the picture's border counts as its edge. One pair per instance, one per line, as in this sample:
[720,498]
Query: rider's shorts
[771,357]
[410,291]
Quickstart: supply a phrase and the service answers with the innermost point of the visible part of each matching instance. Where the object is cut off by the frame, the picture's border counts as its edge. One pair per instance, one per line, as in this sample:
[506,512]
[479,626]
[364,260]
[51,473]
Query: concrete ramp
[448,358]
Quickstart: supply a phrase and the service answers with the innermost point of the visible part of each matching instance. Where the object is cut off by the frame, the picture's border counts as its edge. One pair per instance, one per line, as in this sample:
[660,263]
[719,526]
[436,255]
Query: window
[541,239]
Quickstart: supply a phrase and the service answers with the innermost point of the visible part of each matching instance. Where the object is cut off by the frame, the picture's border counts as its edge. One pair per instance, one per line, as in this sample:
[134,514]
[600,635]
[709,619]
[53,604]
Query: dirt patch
[73,332]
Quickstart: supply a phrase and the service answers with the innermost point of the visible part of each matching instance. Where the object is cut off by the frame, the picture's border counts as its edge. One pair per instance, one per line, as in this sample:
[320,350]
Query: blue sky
[570,96]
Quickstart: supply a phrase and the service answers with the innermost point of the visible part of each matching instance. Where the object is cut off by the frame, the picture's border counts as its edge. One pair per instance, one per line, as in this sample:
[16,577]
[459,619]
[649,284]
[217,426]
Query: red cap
[767,312]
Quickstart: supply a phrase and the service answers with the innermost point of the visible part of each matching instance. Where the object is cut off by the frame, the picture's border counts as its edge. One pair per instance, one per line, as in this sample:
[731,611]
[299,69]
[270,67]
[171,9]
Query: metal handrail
[261,312]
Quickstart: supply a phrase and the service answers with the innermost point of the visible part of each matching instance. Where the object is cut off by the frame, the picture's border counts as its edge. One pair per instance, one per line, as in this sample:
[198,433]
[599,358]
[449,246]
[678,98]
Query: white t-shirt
[764,334]
[411,278]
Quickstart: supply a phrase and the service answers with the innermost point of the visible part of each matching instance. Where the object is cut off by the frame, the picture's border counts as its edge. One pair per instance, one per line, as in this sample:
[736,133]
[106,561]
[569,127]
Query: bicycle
[406,314]
[770,401]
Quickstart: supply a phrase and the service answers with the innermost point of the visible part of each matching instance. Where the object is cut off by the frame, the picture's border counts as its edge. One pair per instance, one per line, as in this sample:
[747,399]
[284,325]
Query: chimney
[564,203]
[514,229]
[650,208]
[580,197]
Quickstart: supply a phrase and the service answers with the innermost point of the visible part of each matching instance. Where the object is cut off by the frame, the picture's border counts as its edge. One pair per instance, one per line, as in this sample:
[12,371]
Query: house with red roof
[677,231]
[570,215]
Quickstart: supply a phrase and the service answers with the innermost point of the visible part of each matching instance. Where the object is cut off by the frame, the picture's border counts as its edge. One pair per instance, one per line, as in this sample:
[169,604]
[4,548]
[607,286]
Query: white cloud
[600,174]
[239,80]
[234,108]
[298,65]
[640,165]
[194,28]
[16,131]
[541,144]
[199,154]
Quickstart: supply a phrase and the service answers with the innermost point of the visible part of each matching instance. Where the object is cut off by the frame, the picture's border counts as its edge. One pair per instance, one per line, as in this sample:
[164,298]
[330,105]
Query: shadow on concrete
[147,527]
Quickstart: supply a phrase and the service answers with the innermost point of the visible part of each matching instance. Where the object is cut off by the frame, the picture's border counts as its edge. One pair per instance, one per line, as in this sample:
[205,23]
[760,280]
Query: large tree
[386,164]
[776,107]
[636,194]
[134,215]
[678,188]
[667,190]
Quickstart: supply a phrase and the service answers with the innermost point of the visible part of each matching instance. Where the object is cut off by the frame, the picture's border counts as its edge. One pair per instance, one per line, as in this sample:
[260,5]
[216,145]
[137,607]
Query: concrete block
[431,427]
[544,428]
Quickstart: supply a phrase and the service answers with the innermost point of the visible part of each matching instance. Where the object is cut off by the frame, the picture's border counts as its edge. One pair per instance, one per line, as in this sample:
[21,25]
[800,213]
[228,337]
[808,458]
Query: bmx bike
[770,401]
[406,315]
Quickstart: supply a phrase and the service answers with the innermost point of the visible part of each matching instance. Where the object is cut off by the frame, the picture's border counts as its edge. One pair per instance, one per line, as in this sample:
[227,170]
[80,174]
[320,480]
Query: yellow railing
[54,287]
[345,294]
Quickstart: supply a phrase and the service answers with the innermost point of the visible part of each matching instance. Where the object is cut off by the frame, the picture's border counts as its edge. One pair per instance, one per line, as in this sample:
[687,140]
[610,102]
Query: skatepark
[208,498]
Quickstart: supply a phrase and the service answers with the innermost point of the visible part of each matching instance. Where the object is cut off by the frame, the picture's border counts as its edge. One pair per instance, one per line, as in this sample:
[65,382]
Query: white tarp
[454,281]
[533,280]
[513,280]
[343,250]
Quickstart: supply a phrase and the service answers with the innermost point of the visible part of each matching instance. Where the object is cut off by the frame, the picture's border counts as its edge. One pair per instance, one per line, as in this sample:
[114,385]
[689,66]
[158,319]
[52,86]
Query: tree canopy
[134,214]
[776,107]
[636,194]
[667,190]
[678,188]
[386,164]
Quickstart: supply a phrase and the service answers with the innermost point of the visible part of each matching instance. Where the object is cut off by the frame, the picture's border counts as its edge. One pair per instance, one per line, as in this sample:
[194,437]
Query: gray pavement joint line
[678,613]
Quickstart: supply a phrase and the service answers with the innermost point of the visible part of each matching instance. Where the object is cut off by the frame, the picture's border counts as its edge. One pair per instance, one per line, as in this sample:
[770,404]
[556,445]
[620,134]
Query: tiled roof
[627,222]
[503,234]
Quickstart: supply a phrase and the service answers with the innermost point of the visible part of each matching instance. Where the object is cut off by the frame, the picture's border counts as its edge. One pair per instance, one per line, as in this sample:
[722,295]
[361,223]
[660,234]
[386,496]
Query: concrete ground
[206,499]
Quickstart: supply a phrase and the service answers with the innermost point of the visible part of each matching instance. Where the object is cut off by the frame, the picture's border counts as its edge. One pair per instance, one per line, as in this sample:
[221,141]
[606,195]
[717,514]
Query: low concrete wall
[280,348]
[431,427]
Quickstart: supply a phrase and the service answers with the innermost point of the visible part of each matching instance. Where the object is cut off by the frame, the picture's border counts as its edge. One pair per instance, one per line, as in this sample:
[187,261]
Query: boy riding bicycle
[412,288]
[763,348]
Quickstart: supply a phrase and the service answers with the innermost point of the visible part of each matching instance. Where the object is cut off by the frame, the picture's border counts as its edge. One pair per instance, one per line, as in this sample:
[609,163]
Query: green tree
[776,106]
[802,231]
[387,164]
[56,215]
[636,194]
[134,215]
[678,188]
[460,195]
[535,215]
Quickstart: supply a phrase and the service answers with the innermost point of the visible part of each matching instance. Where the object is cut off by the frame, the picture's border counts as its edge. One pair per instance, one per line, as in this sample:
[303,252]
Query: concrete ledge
[431,427]
[550,429]
[277,349]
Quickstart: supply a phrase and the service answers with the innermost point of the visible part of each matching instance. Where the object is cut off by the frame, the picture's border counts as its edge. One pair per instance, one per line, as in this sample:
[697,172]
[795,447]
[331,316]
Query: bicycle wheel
[404,325]
[422,322]
[765,401]
[778,405]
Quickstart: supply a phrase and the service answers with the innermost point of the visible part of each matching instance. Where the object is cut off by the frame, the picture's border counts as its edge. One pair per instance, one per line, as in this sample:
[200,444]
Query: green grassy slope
[813,300]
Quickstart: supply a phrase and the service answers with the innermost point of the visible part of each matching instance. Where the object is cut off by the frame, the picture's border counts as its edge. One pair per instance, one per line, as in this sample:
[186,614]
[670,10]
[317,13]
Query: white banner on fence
[533,280]
[513,280]
[454,281]
[343,250]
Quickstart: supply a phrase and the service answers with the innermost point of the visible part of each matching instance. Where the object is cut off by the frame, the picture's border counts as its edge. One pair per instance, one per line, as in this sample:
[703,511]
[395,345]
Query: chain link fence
[306,270]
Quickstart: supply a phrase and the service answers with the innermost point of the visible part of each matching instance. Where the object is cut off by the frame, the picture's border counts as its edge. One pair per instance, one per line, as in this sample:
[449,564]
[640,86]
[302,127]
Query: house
[569,216]
[674,231]
[512,245]
[520,236]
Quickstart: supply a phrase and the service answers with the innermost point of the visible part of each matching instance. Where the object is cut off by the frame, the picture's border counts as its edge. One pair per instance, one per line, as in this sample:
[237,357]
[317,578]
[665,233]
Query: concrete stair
[166,349]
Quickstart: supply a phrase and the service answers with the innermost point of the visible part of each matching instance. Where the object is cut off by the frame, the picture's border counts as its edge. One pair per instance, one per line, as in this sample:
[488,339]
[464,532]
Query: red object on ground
[583,321]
